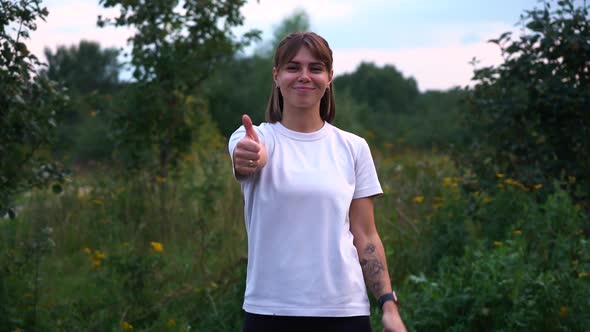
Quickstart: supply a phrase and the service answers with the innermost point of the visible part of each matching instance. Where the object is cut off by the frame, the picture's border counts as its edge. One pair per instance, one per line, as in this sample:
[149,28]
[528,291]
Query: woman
[308,189]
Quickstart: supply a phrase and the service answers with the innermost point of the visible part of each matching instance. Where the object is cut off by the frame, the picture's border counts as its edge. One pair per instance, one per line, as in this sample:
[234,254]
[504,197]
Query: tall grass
[133,252]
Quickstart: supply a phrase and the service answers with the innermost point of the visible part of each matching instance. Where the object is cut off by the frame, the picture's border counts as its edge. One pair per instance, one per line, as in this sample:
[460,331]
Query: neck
[305,121]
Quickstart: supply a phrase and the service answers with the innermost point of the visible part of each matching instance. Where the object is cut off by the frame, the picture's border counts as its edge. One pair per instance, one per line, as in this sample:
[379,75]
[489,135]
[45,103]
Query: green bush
[534,277]
[528,117]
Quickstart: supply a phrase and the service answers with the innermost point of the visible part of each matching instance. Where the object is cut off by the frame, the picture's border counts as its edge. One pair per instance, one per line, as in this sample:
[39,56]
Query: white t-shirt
[301,257]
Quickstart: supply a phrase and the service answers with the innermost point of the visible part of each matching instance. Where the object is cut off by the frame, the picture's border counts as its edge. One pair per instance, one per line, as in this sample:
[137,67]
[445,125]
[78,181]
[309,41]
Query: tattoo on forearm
[372,269]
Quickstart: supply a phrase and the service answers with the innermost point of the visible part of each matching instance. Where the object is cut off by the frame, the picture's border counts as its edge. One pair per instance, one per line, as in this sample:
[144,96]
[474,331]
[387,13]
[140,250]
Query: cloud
[70,22]
[268,12]
[445,63]
[434,68]
[437,55]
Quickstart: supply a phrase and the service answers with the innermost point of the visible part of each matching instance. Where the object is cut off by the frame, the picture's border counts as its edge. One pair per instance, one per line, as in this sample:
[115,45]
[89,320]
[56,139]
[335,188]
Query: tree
[91,75]
[28,107]
[384,91]
[529,117]
[84,68]
[175,48]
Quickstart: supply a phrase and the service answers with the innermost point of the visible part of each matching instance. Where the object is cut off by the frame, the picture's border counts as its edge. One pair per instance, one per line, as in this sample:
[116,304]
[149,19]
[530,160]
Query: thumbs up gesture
[250,153]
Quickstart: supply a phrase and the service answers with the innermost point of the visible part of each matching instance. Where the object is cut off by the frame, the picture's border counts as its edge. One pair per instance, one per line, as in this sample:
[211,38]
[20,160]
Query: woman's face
[302,81]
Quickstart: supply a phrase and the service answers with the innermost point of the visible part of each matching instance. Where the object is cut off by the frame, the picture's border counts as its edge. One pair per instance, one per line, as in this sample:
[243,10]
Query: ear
[275,73]
[331,76]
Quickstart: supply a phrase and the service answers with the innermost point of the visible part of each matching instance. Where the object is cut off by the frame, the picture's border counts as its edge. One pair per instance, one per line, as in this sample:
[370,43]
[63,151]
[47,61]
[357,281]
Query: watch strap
[387,297]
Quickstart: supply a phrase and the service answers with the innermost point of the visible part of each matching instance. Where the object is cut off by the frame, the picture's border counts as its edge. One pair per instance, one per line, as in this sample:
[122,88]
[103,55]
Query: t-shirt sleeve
[367,182]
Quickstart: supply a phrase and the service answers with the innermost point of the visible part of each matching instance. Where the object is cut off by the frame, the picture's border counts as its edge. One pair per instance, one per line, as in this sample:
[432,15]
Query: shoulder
[353,140]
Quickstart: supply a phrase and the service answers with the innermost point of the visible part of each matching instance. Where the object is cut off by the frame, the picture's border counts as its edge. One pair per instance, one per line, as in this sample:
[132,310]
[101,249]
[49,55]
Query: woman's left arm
[372,259]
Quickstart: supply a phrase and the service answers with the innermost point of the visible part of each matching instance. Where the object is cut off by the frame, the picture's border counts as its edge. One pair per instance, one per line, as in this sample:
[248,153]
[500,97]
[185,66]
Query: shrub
[535,277]
[528,117]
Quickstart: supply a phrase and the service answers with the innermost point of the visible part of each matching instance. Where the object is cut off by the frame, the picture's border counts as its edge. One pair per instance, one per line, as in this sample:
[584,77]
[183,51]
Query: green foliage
[20,281]
[384,91]
[240,87]
[433,123]
[84,68]
[116,260]
[531,275]
[91,75]
[28,107]
[528,117]
[175,48]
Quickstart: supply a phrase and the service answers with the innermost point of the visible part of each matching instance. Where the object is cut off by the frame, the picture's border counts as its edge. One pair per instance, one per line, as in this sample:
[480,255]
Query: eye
[317,69]
[291,67]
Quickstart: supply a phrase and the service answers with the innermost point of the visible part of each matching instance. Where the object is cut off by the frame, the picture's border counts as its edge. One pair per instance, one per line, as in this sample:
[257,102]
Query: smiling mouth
[302,88]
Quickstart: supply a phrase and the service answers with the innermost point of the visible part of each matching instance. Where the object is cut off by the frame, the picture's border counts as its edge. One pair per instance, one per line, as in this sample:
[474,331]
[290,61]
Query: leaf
[536,26]
[57,188]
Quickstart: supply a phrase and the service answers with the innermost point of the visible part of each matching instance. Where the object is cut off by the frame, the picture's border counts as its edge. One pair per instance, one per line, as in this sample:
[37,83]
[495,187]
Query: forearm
[374,265]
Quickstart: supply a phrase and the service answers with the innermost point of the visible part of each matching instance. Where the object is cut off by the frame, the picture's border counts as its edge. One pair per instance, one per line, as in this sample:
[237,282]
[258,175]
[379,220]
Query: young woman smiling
[313,248]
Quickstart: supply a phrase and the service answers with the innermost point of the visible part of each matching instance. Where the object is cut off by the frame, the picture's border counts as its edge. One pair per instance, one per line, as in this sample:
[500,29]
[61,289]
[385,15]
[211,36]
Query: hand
[391,320]
[249,154]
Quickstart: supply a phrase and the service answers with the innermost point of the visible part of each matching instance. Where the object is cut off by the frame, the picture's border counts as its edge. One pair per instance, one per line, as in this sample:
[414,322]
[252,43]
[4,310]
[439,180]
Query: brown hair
[285,52]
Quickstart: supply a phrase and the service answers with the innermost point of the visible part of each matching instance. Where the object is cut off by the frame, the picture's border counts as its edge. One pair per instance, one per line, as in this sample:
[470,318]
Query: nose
[304,77]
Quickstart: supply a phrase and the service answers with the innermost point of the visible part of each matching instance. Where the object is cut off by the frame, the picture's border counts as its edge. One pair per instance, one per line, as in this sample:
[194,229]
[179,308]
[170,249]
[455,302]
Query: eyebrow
[311,63]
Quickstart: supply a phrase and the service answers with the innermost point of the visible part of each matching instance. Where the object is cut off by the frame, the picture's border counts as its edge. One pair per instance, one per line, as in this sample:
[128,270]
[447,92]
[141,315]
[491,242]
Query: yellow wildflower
[583,275]
[498,243]
[515,183]
[418,199]
[87,251]
[487,200]
[447,182]
[538,186]
[437,205]
[499,175]
[96,262]
[188,157]
[517,232]
[571,179]
[160,179]
[564,312]
[126,326]
[92,114]
[171,323]
[157,246]
[99,255]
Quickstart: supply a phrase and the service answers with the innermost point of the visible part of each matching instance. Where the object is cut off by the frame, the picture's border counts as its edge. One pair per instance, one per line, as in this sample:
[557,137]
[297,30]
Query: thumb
[250,132]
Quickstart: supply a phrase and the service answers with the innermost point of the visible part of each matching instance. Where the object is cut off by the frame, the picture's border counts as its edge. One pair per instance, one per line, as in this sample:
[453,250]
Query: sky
[432,41]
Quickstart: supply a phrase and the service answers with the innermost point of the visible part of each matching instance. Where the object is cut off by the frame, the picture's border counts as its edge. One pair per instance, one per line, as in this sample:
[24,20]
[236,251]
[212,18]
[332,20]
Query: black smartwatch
[387,297]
